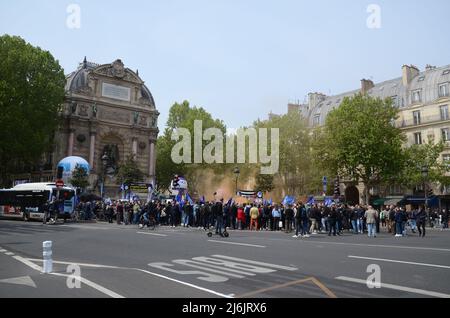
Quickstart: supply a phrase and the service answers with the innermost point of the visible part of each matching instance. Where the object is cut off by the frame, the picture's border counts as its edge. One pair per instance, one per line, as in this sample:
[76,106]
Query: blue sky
[239,59]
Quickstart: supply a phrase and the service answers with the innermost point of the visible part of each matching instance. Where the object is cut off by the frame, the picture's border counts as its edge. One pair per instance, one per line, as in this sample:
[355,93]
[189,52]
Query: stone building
[423,100]
[108,114]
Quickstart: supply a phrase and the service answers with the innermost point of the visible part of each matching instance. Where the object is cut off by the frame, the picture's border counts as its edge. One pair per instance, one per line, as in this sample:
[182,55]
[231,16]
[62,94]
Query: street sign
[59,183]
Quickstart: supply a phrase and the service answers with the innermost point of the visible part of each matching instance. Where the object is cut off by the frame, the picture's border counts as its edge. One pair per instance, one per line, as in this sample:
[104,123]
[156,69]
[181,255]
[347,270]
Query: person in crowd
[289,216]
[421,218]
[276,214]
[313,216]
[301,210]
[332,216]
[254,214]
[371,216]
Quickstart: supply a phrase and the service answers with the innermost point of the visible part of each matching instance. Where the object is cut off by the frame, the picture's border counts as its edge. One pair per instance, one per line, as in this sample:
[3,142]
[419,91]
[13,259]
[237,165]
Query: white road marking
[83,280]
[2,250]
[24,280]
[28,263]
[383,246]
[287,268]
[197,265]
[154,234]
[80,264]
[101,289]
[235,243]
[396,287]
[396,261]
[185,283]
[9,253]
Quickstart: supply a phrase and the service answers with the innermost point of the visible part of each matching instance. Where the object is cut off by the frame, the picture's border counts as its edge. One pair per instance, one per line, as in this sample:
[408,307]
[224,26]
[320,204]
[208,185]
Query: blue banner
[289,200]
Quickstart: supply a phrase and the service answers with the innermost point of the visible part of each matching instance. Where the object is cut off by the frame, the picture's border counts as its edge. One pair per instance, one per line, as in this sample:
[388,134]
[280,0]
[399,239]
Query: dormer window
[446,72]
[416,96]
[421,79]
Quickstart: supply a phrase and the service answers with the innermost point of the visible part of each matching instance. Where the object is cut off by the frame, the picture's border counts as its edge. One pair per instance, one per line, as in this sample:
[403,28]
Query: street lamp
[236,172]
[425,177]
[105,160]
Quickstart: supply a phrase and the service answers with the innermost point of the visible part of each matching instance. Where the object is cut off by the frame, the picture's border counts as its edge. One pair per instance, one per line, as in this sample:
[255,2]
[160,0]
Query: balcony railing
[423,121]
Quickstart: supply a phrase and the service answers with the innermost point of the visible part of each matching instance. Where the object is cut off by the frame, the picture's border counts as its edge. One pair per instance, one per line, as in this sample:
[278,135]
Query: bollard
[47,255]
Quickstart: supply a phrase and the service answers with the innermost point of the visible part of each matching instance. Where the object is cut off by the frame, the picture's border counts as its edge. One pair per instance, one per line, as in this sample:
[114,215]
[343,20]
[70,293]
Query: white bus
[26,201]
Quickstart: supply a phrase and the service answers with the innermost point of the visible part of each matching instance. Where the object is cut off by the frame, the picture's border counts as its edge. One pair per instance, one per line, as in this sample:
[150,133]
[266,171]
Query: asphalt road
[124,261]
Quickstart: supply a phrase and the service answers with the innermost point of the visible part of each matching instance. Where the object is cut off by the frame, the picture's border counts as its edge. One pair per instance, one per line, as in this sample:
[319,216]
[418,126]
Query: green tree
[129,172]
[419,156]
[294,152]
[31,94]
[360,142]
[264,183]
[79,177]
[182,116]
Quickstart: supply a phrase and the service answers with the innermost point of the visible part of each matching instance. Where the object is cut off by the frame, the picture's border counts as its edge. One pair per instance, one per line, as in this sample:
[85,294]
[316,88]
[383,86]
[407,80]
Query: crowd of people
[303,219]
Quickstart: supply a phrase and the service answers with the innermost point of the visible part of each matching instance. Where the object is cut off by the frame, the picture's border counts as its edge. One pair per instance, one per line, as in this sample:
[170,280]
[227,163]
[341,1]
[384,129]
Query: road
[124,261]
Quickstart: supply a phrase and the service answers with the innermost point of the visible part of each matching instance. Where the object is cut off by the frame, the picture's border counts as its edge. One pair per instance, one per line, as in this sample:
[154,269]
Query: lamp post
[237,172]
[425,177]
[105,160]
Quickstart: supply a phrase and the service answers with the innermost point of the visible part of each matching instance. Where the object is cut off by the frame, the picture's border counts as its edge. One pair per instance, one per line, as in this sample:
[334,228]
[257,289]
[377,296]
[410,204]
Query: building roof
[427,81]
[79,79]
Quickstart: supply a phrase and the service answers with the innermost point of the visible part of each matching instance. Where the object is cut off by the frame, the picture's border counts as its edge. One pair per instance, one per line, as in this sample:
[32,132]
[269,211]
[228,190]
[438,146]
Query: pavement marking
[9,253]
[28,263]
[287,268]
[185,283]
[236,243]
[154,234]
[80,264]
[396,287]
[297,282]
[197,265]
[388,246]
[24,280]
[396,261]
[101,289]
[3,250]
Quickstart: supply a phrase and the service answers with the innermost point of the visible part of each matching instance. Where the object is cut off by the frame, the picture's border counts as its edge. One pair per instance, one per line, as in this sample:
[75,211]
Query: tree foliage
[129,172]
[182,116]
[264,183]
[422,156]
[79,177]
[294,153]
[360,142]
[31,94]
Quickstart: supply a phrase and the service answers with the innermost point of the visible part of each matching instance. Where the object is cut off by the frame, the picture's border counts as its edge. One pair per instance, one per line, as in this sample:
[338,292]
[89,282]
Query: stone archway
[352,195]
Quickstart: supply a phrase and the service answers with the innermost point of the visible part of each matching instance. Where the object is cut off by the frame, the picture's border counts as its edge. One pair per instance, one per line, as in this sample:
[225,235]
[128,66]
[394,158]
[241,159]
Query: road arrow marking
[24,280]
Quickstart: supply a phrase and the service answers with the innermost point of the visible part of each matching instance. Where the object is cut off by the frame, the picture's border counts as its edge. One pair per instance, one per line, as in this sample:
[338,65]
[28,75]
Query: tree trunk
[366,194]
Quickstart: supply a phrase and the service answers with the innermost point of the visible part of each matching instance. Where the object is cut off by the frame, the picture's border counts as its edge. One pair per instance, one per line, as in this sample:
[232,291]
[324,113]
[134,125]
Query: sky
[239,59]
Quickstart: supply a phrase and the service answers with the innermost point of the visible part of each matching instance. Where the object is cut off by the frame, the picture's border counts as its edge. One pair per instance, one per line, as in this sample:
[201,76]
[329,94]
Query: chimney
[430,67]
[366,85]
[409,72]
[315,99]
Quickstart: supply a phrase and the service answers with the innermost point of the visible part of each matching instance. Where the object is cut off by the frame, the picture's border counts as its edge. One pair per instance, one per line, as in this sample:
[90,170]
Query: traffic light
[59,173]
[337,190]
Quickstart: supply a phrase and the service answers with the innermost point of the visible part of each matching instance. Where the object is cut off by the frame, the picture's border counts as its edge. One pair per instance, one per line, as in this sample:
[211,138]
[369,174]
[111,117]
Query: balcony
[423,121]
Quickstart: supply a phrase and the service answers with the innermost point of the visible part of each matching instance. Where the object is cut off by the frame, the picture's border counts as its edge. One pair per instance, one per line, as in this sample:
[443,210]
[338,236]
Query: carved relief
[143,121]
[83,111]
[116,116]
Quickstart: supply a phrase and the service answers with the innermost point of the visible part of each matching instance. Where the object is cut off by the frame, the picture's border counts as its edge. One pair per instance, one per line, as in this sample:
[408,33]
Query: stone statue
[73,106]
[154,122]
[111,155]
[94,110]
[136,117]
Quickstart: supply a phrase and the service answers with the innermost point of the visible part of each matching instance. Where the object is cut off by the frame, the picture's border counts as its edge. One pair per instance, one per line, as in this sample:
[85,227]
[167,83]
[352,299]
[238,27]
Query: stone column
[70,143]
[92,149]
[152,161]
[134,147]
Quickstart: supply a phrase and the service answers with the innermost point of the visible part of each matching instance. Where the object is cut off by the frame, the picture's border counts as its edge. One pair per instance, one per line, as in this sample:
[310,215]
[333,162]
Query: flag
[188,197]
[328,202]
[311,200]
[270,201]
[230,202]
[289,200]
